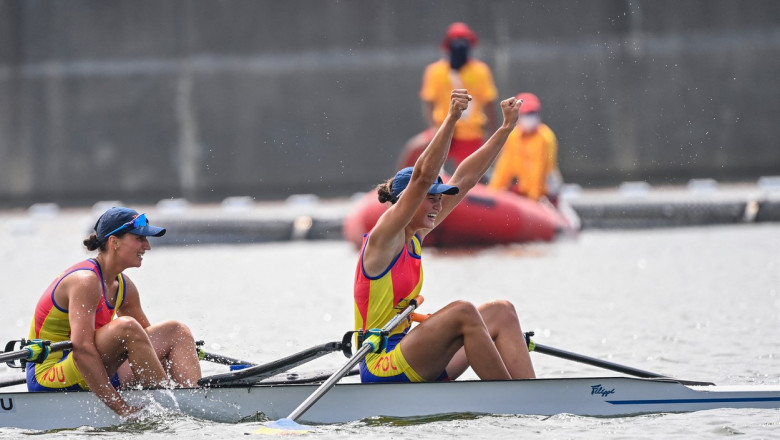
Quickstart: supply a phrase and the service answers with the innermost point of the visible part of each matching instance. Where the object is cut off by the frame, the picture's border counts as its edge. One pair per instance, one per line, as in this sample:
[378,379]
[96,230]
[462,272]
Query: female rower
[389,273]
[98,308]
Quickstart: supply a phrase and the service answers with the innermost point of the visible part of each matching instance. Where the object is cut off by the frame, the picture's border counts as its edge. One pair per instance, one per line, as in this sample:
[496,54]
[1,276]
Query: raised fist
[511,109]
[459,102]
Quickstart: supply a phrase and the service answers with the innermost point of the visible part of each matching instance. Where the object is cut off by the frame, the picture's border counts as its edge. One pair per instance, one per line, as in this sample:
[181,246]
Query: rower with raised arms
[95,305]
[389,273]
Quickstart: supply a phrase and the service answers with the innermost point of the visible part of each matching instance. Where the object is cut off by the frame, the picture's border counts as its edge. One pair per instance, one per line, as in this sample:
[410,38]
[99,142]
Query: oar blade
[283,426]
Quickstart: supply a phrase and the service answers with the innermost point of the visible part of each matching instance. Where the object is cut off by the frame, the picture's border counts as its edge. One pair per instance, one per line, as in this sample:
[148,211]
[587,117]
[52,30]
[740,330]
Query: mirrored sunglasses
[137,222]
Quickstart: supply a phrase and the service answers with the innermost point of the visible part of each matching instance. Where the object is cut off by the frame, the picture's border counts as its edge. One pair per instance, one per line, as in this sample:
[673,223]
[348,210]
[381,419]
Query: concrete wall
[140,100]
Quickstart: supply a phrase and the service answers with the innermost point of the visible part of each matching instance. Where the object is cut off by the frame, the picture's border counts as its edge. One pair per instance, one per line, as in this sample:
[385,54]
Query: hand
[511,110]
[128,411]
[459,102]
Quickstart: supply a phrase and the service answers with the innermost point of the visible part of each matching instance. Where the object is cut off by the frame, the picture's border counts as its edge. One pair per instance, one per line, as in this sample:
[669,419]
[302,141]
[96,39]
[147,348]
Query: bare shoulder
[82,284]
[129,284]
[131,291]
[379,252]
[81,279]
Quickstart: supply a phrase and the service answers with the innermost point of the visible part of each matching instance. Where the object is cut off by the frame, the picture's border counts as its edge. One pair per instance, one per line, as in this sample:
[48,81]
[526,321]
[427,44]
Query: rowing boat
[263,392]
[586,396]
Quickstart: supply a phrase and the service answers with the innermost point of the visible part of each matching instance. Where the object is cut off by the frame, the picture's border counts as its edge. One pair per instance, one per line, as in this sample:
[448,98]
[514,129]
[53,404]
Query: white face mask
[529,122]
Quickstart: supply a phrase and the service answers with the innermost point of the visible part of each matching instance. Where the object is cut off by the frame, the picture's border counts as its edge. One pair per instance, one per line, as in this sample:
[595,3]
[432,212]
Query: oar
[256,373]
[370,344]
[218,358]
[37,351]
[36,347]
[563,354]
[13,380]
[222,359]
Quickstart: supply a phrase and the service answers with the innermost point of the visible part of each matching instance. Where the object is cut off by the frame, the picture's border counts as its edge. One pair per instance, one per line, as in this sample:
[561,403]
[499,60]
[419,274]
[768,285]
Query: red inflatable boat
[483,217]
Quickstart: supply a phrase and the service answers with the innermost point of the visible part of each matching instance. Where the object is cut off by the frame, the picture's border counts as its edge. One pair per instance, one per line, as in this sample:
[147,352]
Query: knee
[501,309]
[127,327]
[177,329]
[504,306]
[466,311]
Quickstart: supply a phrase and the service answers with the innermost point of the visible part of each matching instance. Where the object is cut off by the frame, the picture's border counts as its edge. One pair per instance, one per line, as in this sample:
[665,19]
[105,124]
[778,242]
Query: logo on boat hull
[7,404]
[600,390]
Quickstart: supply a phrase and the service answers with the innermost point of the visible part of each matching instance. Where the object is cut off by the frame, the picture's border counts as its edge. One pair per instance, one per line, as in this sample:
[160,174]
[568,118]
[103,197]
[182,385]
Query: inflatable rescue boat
[484,217]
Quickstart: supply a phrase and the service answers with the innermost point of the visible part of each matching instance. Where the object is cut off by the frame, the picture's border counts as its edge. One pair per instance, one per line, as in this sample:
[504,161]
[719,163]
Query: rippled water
[695,303]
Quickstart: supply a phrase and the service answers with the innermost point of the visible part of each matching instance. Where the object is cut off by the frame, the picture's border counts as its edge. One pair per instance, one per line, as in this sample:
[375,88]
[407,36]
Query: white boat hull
[605,396]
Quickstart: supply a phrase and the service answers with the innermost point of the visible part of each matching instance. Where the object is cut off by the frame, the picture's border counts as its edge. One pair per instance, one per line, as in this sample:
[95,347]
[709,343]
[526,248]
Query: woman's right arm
[387,236]
[84,294]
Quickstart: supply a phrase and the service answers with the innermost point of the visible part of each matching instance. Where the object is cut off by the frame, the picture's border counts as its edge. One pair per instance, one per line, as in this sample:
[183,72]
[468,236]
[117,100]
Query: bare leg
[501,320]
[504,326]
[123,339]
[175,347]
[430,346]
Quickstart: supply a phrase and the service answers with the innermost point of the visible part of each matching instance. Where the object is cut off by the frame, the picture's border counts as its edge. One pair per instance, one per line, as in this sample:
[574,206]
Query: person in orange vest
[528,164]
[459,70]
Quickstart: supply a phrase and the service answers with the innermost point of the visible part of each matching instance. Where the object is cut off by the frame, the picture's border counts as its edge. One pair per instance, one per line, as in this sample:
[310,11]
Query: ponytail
[92,243]
[384,192]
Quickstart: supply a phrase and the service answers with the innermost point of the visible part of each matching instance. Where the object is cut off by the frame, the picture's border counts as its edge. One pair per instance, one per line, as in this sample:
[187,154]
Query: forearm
[432,158]
[95,375]
[476,165]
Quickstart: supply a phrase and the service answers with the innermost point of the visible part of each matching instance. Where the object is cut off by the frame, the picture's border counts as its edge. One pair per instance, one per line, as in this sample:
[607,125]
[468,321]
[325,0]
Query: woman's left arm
[476,165]
[131,305]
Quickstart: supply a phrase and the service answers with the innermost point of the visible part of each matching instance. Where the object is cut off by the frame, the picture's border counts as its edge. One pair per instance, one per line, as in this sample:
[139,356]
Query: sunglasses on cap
[137,222]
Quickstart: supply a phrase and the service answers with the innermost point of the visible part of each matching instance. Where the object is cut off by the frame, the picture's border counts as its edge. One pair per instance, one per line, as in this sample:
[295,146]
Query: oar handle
[359,355]
[33,351]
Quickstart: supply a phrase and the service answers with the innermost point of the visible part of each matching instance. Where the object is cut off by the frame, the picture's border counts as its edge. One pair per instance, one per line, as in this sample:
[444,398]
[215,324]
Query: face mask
[459,53]
[529,122]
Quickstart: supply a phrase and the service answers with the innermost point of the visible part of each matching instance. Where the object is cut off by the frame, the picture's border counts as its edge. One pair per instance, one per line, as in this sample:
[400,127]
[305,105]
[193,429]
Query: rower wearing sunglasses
[97,307]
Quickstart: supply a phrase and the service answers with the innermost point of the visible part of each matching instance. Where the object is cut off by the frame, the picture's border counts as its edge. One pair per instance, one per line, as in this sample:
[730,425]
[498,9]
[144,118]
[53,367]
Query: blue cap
[111,222]
[401,180]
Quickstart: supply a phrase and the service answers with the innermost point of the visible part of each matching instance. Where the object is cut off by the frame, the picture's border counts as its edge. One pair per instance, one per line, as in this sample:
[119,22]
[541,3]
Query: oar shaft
[221,359]
[563,354]
[325,387]
[24,353]
[13,380]
[357,357]
[257,373]
[60,346]
[14,355]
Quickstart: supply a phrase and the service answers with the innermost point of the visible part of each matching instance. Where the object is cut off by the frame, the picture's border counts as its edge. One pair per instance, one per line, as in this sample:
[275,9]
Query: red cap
[459,30]
[531,103]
